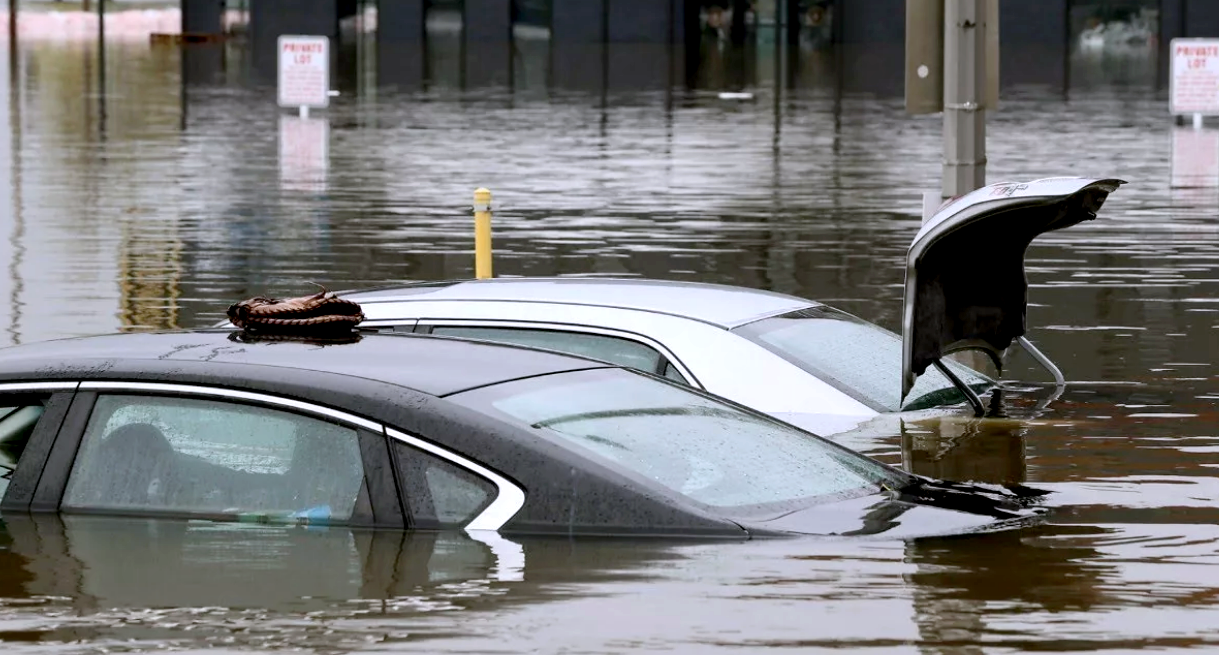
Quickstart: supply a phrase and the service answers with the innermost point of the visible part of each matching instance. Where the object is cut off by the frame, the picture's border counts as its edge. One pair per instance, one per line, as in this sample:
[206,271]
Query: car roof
[433,365]
[721,305]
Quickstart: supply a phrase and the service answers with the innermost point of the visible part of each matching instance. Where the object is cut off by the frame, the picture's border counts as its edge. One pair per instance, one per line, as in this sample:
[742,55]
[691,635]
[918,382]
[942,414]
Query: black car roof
[432,365]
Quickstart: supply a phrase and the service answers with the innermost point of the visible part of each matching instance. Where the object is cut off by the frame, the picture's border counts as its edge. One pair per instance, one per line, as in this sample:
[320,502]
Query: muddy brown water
[140,202]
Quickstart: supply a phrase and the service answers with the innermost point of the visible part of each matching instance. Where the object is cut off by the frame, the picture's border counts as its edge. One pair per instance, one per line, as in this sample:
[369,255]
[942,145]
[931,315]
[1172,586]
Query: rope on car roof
[321,313]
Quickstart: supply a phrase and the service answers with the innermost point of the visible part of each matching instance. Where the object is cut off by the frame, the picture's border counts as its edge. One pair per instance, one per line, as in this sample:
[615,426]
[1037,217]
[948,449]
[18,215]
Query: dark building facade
[1037,36]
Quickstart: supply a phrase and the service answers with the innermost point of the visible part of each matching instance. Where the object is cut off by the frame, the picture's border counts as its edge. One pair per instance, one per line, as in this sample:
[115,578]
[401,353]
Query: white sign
[1195,158]
[304,153]
[1194,81]
[304,71]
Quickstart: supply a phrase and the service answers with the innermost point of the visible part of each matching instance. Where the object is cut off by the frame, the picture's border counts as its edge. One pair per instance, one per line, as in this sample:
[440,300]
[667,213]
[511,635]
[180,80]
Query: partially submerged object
[949,307]
[793,358]
[428,433]
[322,312]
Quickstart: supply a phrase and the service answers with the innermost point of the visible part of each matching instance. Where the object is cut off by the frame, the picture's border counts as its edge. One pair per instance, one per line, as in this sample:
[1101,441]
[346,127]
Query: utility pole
[952,66]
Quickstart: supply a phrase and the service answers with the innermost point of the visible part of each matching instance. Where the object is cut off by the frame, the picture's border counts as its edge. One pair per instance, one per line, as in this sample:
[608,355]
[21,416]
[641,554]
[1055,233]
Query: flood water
[152,194]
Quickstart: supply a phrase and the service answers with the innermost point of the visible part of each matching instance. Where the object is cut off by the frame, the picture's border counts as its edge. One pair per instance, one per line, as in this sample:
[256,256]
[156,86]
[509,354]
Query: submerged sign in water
[1195,77]
[304,71]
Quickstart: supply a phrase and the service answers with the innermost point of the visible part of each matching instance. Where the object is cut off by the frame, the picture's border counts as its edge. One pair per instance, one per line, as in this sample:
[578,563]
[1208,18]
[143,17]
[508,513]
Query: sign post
[304,83]
[304,72]
[1194,90]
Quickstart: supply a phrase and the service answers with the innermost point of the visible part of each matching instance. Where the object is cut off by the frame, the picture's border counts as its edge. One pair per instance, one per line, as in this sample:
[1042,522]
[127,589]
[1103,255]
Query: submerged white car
[793,358]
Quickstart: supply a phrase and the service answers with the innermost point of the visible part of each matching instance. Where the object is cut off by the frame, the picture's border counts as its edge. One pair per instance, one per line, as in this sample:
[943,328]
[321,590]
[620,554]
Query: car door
[150,449]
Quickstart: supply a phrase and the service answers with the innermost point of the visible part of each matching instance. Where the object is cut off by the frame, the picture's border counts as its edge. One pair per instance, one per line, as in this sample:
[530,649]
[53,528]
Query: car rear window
[858,358]
[712,452]
[594,346]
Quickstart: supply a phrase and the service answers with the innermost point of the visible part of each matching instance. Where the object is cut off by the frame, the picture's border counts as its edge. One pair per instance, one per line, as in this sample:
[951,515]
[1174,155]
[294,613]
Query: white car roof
[721,305]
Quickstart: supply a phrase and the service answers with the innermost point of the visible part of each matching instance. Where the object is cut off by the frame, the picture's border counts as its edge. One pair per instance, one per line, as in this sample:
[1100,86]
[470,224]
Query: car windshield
[712,452]
[858,358]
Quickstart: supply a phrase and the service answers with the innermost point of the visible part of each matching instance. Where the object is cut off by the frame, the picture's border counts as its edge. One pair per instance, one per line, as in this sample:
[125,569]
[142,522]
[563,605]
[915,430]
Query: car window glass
[615,350]
[693,444]
[16,424]
[862,360]
[439,493]
[672,373]
[187,455]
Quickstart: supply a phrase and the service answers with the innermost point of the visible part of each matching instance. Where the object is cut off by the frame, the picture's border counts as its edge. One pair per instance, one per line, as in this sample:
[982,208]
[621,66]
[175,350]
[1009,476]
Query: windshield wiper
[970,498]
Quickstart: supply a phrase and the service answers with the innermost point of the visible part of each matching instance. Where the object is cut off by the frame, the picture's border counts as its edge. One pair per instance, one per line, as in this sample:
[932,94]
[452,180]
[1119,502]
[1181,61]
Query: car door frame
[425,326]
[30,465]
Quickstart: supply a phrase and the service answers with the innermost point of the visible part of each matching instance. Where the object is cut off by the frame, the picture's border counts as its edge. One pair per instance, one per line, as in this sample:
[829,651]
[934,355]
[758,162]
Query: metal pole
[101,68]
[964,88]
[17,237]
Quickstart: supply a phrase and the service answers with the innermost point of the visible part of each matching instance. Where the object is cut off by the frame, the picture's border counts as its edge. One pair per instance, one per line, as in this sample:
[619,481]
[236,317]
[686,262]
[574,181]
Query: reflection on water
[126,584]
[158,193]
[130,585]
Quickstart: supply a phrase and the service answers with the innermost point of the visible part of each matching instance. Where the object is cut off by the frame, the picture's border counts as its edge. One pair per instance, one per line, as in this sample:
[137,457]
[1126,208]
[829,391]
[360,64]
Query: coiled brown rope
[322,312]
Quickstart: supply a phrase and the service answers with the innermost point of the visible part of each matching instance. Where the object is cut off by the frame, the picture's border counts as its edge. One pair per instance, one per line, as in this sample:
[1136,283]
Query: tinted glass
[16,424]
[440,494]
[858,358]
[185,455]
[672,373]
[615,350]
[693,444]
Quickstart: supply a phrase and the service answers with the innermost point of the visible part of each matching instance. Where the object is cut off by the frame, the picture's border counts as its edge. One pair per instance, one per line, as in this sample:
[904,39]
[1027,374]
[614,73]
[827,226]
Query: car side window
[18,417]
[615,350]
[213,457]
[437,493]
[671,372]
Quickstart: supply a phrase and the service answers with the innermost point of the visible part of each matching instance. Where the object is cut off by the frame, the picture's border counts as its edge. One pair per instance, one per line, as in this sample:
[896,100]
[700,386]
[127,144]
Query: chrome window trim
[37,386]
[233,393]
[509,497]
[570,327]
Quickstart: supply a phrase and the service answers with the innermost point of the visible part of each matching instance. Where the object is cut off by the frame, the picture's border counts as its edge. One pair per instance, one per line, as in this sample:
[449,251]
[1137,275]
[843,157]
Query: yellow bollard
[482,233]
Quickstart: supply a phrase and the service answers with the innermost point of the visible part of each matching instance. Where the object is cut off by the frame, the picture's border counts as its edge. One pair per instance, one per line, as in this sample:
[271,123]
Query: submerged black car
[424,432]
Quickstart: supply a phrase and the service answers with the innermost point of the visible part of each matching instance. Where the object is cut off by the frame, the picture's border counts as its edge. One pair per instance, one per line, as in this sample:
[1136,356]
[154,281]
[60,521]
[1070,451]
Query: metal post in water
[952,65]
[482,233]
[964,85]
[12,45]
[101,68]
